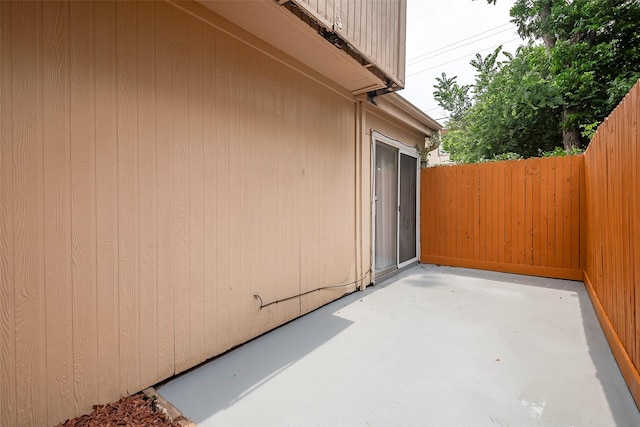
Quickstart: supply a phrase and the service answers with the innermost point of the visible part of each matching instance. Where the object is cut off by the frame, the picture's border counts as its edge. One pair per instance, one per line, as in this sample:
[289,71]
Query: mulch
[136,410]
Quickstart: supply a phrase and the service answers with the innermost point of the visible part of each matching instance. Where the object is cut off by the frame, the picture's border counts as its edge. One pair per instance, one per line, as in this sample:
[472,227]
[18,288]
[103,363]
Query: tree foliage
[545,94]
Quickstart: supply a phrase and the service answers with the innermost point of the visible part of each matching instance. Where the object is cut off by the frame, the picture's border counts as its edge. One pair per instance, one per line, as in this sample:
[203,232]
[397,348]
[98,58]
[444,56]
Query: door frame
[412,152]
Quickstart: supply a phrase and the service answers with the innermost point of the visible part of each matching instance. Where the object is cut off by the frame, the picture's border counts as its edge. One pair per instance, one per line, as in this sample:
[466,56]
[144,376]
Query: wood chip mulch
[136,410]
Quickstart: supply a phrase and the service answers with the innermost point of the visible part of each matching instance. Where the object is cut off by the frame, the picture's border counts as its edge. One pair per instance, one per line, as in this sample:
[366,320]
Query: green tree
[515,109]
[583,56]
[452,97]
[594,46]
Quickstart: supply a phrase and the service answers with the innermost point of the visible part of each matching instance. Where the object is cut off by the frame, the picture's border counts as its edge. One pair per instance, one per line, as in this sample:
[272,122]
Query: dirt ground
[136,410]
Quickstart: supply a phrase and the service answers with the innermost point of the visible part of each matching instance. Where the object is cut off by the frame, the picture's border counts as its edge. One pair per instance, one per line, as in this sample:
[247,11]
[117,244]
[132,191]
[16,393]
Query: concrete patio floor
[432,346]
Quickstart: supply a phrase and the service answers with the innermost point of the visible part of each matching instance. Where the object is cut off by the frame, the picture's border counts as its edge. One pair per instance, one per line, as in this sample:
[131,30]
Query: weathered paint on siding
[156,173]
[375,27]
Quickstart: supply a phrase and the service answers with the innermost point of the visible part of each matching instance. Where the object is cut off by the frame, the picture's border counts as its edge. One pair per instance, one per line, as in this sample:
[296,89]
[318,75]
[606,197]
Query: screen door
[407,211]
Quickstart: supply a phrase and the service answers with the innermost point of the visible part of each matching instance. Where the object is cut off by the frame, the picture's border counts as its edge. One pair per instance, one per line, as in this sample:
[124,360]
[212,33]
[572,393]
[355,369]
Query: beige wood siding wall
[376,28]
[376,121]
[156,173]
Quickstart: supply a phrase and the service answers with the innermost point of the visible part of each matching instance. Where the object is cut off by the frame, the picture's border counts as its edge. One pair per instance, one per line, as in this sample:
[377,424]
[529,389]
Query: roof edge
[395,106]
[407,107]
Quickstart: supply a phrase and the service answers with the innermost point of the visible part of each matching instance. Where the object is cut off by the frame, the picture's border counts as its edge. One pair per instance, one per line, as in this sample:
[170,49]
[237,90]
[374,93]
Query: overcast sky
[443,36]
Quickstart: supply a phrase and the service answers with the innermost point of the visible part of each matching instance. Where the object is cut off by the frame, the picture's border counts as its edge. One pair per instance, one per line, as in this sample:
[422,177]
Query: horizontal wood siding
[155,174]
[519,216]
[374,27]
[612,262]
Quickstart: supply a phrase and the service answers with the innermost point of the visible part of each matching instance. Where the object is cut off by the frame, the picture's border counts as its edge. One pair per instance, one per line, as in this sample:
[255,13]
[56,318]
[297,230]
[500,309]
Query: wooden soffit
[297,37]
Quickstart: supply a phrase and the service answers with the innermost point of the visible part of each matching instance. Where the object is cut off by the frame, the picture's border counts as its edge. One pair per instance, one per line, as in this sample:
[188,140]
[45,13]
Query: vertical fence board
[503,216]
[575,207]
[559,211]
[627,187]
[490,208]
[520,182]
[544,214]
[448,228]
[500,217]
[635,209]
[566,210]
[426,190]
[469,236]
[482,216]
[535,208]
[467,218]
[472,207]
[551,211]
[508,213]
[460,212]
[438,225]
[529,224]
[498,209]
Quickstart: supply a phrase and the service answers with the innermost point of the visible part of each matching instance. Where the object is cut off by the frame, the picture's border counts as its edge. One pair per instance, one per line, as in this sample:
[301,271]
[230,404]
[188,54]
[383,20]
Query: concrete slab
[433,346]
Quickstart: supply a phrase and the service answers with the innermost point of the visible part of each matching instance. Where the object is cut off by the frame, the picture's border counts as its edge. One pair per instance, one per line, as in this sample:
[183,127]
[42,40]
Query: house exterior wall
[377,121]
[439,157]
[156,173]
[376,28]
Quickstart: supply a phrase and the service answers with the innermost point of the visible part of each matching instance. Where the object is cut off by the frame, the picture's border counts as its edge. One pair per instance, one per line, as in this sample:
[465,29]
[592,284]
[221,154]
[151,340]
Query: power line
[431,109]
[424,58]
[455,43]
[459,58]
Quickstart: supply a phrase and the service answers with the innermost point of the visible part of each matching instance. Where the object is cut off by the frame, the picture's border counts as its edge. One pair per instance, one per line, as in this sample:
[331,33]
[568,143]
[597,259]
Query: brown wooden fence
[612,258]
[516,216]
[569,217]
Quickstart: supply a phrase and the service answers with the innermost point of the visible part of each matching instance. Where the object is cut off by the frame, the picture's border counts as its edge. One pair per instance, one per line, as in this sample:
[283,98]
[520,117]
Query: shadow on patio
[431,346]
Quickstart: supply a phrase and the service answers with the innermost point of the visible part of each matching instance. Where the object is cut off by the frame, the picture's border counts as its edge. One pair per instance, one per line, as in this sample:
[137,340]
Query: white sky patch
[444,36]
